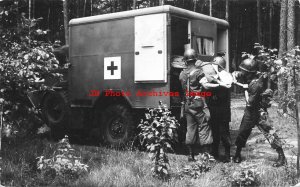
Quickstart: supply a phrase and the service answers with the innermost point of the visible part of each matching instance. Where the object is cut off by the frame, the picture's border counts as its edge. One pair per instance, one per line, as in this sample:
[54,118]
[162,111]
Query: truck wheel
[55,107]
[55,111]
[117,125]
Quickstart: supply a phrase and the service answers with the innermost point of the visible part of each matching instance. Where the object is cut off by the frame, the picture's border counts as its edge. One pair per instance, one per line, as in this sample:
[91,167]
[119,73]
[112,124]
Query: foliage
[25,61]
[158,132]
[109,167]
[203,164]
[63,163]
[248,177]
[245,174]
[290,170]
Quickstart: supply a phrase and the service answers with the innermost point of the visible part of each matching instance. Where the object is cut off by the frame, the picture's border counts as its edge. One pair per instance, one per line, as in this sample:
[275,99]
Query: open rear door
[150,48]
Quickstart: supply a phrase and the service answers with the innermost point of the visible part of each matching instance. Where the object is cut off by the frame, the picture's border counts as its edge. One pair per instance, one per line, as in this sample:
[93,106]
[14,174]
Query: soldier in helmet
[196,111]
[255,114]
[219,107]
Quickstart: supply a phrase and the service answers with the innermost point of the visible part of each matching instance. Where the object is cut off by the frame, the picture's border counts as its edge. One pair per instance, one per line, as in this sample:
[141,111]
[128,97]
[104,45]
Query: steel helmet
[249,65]
[190,54]
[220,61]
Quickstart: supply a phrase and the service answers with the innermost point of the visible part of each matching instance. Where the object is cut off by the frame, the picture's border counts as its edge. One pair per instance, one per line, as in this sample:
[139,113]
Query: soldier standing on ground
[195,108]
[257,101]
[219,107]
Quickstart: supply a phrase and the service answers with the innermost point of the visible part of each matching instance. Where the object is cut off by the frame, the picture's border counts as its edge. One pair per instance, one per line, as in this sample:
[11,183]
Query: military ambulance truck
[121,64]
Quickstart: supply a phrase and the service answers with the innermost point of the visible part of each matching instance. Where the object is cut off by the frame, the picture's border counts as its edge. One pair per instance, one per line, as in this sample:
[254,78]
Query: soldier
[196,111]
[257,102]
[219,107]
[195,108]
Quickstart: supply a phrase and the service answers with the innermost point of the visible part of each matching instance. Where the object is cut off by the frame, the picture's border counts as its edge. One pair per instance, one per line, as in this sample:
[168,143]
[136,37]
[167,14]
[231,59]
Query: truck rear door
[150,48]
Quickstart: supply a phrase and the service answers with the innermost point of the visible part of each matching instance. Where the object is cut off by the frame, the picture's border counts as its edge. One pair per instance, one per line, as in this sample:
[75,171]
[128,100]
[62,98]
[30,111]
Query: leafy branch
[158,132]
[26,60]
[286,67]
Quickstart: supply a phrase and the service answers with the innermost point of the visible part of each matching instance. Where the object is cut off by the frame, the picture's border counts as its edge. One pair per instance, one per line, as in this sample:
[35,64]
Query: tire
[117,125]
[55,113]
[55,107]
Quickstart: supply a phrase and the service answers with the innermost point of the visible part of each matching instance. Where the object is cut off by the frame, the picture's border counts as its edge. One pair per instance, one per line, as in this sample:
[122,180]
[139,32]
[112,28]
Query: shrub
[63,165]
[246,177]
[194,170]
[25,60]
[158,132]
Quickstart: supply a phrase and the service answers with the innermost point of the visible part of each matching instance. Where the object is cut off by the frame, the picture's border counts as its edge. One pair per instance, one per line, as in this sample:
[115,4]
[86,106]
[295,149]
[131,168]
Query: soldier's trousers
[198,129]
[220,131]
[258,117]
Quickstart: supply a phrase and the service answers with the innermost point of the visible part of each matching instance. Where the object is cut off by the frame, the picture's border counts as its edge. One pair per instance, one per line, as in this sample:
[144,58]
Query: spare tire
[56,107]
[117,125]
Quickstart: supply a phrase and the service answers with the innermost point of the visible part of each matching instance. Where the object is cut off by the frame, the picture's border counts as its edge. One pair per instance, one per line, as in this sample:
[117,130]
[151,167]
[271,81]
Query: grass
[109,167]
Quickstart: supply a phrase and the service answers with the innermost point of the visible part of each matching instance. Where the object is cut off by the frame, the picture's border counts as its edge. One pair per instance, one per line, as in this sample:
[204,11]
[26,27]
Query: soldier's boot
[281,158]
[207,149]
[227,154]
[237,157]
[191,157]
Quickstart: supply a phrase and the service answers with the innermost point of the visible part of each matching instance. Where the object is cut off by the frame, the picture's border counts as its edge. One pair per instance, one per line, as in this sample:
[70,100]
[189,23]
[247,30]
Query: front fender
[36,97]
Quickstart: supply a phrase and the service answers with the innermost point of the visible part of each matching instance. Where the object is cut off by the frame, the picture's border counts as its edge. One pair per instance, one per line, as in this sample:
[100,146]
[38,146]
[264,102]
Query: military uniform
[256,110]
[196,111]
[218,104]
[256,114]
[219,107]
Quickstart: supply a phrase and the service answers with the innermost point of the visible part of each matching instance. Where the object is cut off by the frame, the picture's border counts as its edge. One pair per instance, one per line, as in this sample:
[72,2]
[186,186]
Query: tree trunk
[291,25]
[1,127]
[259,35]
[282,83]
[49,9]
[66,21]
[134,4]
[283,28]
[290,37]
[161,2]
[271,24]
[19,22]
[290,45]
[91,7]
[48,22]
[195,5]
[78,10]
[112,6]
[210,7]
[227,10]
[29,9]
[297,96]
[116,4]
[33,9]
[84,7]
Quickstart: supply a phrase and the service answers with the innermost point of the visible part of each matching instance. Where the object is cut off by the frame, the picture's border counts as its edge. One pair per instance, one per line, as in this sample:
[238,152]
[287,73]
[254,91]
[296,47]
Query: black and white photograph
[149,93]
